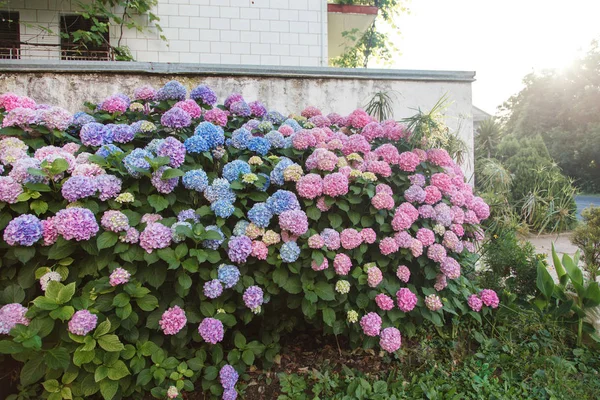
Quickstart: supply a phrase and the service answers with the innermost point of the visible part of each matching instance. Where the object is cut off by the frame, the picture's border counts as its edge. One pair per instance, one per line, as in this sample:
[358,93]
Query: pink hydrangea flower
[440,282]
[384,302]
[324,265]
[155,236]
[350,238]
[406,215]
[439,157]
[442,182]
[406,299]
[382,201]
[173,320]
[10,315]
[408,161]
[294,221]
[356,144]
[216,116]
[310,186]
[436,252]
[403,239]
[335,185]
[331,238]
[259,250]
[390,339]
[342,264]
[432,195]
[433,302]
[49,231]
[190,107]
[426,236]
[416,248]
[321,205]
[388,153]
[450,267]
[371,324]
[388,246]
[374,276]
[475,303]
[119,276]
[403,273]
[368,235]
[489,298]
[82,322]
[383,188]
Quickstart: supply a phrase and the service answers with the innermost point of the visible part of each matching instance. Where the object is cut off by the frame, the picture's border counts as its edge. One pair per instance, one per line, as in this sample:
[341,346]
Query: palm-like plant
[487,137]
[380,105]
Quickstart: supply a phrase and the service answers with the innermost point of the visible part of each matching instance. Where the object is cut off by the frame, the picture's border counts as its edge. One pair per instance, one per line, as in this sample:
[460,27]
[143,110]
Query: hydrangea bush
[160,243]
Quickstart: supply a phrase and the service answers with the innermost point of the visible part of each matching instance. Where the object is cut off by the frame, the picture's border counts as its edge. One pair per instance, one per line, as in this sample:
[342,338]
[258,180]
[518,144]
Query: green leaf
[185,281]
[33,371]
[58,251]
[24,254]
[63,313]
[44,303]
[544,281]
[121,300]
[106,240]
[110,343]
[328,316]
[354,217]
[10,347]
[239,340]
[108,389]
[592,295]
[325,291]
[52,386]
[313,213]
[335,220]
[118,371]
[147,303]
[143,378]
[38,206]
[248,357]
[171,173]
[558,267]
[13,294]
[158,202]
[58,358]
[293,285]
[66,293]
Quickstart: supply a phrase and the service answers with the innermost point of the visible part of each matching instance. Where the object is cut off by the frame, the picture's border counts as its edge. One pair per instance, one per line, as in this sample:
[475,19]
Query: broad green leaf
[328,316]
[118,371]
[58,358]
[33,371]
[110,343]
[66,293]
[108,389]
[544,281]
[158,202]
[106,240]
[324,290]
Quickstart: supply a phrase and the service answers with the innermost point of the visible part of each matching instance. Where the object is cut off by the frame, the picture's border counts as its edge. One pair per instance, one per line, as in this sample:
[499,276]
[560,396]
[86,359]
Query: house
[478,117]
[250,32]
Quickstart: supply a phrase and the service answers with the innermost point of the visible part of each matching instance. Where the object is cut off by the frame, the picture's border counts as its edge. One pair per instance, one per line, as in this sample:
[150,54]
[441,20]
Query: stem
[579,331]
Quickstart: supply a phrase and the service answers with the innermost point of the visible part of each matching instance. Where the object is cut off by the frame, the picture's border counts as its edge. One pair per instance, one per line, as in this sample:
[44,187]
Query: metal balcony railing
[50,51]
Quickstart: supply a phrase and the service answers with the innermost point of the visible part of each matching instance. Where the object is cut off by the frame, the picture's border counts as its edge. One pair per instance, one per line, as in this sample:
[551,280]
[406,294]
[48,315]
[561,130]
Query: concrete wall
[256,32]
[69,84]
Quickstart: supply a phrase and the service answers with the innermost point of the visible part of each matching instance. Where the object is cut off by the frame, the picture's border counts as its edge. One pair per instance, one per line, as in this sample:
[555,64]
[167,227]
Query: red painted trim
[352,9]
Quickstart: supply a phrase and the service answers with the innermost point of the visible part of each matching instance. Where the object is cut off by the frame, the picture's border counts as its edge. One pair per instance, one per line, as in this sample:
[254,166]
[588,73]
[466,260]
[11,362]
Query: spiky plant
[380,106]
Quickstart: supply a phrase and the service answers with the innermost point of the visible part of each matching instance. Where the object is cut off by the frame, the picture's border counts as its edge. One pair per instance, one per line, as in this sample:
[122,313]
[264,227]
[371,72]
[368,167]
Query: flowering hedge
[162,242]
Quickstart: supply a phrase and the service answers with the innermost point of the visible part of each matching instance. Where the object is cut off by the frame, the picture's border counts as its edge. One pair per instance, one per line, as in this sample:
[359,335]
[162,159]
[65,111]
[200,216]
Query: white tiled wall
[260,32]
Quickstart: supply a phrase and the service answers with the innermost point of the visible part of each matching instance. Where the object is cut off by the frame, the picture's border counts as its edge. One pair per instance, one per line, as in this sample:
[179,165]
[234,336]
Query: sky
[501,41]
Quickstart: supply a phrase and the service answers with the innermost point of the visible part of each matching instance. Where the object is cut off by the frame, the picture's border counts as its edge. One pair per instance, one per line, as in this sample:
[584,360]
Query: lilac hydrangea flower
[253,297]
[82,322]
[11,315]
[240,247]
[211,330]
[213,289]
[24,230]
[119,276]
[76,223]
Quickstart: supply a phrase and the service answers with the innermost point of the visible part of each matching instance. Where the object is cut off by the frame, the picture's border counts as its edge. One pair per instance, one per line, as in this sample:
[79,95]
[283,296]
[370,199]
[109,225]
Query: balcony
[50,51]
[356,18]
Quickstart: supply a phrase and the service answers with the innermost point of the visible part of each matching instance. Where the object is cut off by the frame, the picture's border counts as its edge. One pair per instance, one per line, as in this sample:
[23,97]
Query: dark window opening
[71,49]
[10,35]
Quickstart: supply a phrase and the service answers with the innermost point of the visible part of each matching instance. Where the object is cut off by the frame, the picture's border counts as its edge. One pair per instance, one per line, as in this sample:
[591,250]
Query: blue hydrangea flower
[195,179]
[178,237]
[274,117]
[282,200]
[260,215]
[240,138]
[189,214]
[107,150]
[259,145]
[219,190]
[204,95]
[24,230]
[153,145]
[276,139]
[173,90]
[235,168]
[289,252]
[267,183]
[80,118]
[293,123]
[222,208]
[213,244]
[122,133]
[287,143]
[137,159]
[95,134]
[277,173]
[240,108]
[253,124]
[240,227]
[196,144]
[229,275]
[212,133]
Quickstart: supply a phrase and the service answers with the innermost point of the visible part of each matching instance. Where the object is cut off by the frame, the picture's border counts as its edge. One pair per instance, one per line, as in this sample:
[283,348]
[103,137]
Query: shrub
[587,237]
[169,241]
[510,263]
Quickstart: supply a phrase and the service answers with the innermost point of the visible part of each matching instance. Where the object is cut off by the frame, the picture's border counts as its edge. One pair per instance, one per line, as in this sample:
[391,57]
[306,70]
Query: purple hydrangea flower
[163,185]
[24,230]
[211,330]
[95,134]
[240,247]
[82,322]
[108,186]
[155,236]
[204,95]
[176,118]
[76,223]
[172,90]
[213,289]
[11,315]
[122,133]
[172,148]
[78,187]
[228,377]
[253,297]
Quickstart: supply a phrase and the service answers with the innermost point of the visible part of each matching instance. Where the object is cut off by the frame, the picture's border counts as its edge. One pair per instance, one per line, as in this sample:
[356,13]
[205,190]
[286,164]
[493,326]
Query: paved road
[584,201]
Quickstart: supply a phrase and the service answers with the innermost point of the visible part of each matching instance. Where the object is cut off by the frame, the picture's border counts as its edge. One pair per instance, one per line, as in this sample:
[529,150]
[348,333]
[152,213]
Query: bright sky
[502,40]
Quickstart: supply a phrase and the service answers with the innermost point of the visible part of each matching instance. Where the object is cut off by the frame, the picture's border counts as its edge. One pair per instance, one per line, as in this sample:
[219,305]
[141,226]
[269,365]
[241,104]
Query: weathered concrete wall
[329,89]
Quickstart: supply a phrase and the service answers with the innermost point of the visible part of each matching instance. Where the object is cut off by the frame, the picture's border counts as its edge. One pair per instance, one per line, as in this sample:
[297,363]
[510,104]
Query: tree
[373,45]
[487,138]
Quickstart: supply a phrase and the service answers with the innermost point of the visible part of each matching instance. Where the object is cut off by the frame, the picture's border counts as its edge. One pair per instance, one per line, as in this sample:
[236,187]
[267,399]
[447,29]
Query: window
[81,50]
[10,35]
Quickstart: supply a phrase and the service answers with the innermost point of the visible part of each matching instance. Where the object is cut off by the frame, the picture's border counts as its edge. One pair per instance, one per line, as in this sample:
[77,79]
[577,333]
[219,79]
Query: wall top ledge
[27,66]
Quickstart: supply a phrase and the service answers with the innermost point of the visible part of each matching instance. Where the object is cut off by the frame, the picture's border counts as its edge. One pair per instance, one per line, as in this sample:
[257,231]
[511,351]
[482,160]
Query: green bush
[587,237]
